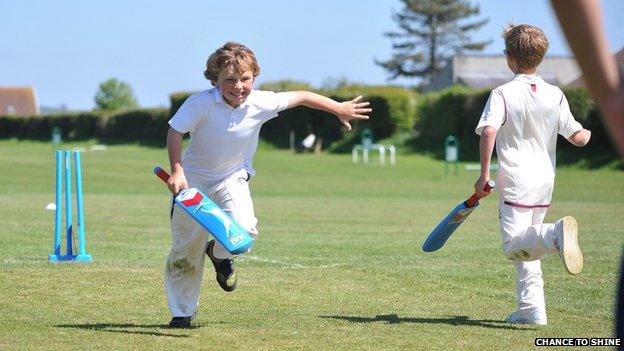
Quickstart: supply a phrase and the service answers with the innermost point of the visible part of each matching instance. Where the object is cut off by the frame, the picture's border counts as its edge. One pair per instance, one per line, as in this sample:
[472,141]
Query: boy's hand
[480,185]
[353,110]
[177,182]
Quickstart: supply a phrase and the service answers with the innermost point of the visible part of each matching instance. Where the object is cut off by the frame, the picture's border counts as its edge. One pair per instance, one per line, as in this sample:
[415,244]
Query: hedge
[431,118]
[394,108]
[457,110]
[453,111]
[143,126]
[76,126]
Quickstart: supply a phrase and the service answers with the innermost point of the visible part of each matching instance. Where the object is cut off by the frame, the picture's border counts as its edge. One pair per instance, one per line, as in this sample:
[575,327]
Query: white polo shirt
[223,139]
[528,114]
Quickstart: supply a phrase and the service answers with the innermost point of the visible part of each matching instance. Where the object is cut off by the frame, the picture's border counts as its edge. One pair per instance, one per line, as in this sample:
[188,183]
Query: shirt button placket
[232,117]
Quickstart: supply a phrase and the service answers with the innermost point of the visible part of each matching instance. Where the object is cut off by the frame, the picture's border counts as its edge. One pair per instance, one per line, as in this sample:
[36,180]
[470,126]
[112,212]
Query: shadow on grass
[457,320]
[129,328]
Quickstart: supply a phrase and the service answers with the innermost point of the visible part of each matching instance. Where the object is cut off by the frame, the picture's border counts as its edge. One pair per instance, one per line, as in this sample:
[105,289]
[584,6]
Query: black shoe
[180,322]
[226,275]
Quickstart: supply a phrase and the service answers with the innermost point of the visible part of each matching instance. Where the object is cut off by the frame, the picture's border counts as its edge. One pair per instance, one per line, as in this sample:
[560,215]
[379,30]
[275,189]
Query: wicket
[82,255]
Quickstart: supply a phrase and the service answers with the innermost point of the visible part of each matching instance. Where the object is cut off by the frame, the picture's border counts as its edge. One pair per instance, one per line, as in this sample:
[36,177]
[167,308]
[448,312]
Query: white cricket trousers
[526,240]
[185,264]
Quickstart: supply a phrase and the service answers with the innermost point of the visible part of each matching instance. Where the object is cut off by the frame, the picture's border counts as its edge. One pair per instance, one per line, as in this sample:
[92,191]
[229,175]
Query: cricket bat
[438,237]
[211,217]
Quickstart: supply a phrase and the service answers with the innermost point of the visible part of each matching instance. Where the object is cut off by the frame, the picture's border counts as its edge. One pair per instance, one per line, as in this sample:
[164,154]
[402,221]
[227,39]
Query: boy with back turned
[523,118]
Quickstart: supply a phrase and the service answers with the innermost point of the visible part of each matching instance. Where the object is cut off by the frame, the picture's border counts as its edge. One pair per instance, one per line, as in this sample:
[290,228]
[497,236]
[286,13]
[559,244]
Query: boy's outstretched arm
[486,147]
[177,181]
[345,111]
[580,138]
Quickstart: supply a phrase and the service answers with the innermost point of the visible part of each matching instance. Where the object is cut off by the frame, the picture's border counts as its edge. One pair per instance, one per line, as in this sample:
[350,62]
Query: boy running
[224,124]
[522,118]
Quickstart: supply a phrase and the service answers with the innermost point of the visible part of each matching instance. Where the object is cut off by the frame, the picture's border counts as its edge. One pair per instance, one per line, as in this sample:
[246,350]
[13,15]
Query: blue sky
[66,48]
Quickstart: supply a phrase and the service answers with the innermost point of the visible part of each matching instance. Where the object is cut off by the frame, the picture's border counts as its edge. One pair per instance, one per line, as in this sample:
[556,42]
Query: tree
[115,95]
[431,32]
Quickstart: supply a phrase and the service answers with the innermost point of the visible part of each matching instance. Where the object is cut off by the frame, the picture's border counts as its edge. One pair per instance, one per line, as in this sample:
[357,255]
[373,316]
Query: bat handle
[161,173]
[474,199]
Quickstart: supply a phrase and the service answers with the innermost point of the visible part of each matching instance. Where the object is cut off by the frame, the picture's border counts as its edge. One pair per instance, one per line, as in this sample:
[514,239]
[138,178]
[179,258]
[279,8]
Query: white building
[486,72]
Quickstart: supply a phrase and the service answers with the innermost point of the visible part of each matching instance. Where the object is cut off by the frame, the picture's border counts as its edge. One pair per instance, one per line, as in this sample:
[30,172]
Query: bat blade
[443,231]
[211,217]
[438,237]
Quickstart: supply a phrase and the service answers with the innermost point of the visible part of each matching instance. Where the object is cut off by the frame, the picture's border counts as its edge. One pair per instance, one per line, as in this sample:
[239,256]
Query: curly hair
[527,44]
[231,55]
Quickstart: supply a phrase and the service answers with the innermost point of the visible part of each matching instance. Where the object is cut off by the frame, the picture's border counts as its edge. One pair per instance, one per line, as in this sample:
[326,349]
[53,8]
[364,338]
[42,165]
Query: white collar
[527,78]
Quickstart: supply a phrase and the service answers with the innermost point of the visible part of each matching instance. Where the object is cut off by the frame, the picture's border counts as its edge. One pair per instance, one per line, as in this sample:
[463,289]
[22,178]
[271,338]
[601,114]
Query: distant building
[579,82]
[486,72]
[50,110]
[20,101]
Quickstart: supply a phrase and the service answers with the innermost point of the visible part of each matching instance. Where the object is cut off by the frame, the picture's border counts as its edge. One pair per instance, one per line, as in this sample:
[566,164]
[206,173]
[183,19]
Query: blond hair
[527,44]
[231,55]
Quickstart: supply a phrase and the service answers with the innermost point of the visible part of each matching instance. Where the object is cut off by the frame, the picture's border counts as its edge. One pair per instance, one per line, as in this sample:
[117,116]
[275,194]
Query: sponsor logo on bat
[225,219]
[236,239]
[461,215]
[191,197]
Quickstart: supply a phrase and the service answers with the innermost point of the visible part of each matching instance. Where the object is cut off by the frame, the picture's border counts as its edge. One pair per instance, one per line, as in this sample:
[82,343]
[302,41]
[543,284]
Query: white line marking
[285,264]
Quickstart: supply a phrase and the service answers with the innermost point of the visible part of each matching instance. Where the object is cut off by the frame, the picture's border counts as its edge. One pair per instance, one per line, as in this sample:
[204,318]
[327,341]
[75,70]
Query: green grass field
[338,265]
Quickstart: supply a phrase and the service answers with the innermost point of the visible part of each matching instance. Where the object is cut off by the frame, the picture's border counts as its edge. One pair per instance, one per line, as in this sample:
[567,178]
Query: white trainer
[536,318]
[566,241]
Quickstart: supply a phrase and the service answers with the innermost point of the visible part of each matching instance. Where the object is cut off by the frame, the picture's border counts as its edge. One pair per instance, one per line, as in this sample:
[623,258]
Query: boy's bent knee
[518,255]
[521,254]
[513,252]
